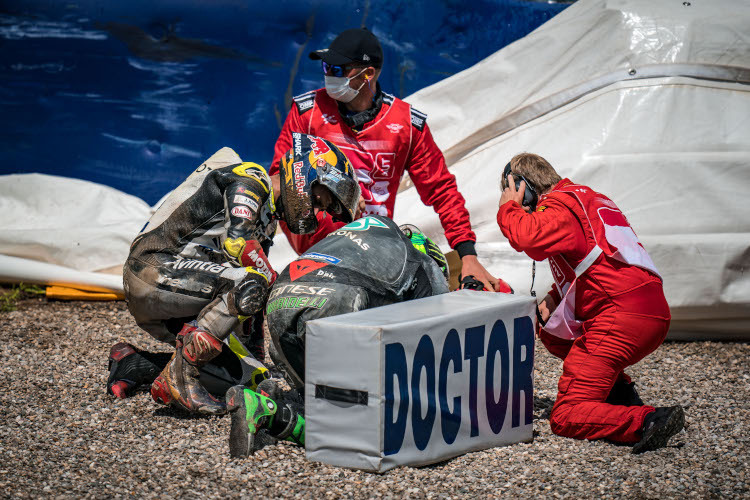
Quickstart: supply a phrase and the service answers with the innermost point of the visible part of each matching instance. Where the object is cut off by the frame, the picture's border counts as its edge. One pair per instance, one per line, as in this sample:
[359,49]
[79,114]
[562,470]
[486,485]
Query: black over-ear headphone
[530,197]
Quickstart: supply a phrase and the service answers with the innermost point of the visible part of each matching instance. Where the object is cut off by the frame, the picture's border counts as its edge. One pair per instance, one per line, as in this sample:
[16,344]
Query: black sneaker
[658,427]
[130,368]
[624,394]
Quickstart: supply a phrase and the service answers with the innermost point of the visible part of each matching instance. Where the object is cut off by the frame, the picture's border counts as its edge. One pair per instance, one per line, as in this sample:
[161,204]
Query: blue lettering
[498,392]
[498,344]
[450,422]
[523,370]
[474,342]
[395,366]
[424,358]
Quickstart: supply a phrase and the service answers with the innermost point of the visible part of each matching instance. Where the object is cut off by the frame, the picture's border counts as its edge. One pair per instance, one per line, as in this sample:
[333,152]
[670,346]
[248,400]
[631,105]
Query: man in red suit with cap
[383,137]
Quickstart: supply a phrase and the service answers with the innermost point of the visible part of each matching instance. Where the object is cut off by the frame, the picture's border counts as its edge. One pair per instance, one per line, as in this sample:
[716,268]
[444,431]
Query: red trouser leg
[611,341]
[561,347]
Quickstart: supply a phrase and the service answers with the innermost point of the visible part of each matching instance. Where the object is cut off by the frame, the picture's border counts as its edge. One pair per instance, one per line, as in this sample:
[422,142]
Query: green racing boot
[257,420]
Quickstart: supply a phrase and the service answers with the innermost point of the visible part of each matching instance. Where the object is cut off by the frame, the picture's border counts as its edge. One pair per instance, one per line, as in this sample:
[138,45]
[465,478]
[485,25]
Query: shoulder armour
[305,102]
[388,99]
[418,119]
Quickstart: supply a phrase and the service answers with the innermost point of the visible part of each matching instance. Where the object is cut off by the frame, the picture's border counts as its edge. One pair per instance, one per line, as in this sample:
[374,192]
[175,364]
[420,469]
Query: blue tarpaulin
[136,94]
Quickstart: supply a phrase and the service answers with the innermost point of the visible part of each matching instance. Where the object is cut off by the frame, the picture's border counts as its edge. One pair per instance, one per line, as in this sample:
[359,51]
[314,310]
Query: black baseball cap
[356,45]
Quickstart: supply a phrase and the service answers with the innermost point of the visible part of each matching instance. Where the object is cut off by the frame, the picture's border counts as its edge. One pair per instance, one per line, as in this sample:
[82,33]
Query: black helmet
[428,247]
[314,160]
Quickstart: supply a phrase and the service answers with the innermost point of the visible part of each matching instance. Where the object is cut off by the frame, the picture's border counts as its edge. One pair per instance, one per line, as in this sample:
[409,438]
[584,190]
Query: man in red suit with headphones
[606,310]
[382,136]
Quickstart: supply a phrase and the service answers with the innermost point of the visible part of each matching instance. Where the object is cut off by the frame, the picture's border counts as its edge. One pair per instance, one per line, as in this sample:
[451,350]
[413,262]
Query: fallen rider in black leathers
[366,264]
[198,269]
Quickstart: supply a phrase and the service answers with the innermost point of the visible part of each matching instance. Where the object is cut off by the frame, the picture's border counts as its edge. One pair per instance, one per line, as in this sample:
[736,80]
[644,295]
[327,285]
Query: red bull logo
[319,147]
[321,154]
[299,179]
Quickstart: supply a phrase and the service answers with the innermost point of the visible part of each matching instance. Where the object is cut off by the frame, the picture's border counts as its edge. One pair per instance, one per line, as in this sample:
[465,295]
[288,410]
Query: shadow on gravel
[542,410]
[437,464]
[543,407]
[178,414]
[676,445]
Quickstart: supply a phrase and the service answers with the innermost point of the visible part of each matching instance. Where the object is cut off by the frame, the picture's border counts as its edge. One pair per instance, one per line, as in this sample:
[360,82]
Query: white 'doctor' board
[421,381]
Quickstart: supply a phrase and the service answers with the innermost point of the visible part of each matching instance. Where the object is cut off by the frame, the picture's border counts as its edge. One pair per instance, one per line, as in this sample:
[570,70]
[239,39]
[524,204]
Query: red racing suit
[611,311]
[394,140]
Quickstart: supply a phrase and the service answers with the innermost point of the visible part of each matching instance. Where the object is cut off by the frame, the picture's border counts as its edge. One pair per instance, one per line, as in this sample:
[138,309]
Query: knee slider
[250,295]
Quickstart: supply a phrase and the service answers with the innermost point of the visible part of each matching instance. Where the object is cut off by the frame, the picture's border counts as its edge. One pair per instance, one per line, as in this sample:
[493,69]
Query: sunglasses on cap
[336,70]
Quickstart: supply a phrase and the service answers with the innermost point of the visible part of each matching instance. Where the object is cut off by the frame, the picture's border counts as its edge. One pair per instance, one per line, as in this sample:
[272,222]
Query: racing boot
[658,427]
[130,368]
[289,422]
[271,388]
[624,394]
[256,417]
[178,384]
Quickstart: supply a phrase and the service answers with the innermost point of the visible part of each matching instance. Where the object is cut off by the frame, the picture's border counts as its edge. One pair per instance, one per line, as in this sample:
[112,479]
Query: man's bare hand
[470,266]
[510,193]
[360,207]
[546,307]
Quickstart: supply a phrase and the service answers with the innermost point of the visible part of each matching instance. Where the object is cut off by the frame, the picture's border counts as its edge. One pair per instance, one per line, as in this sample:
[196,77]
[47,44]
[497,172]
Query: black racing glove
[471,283]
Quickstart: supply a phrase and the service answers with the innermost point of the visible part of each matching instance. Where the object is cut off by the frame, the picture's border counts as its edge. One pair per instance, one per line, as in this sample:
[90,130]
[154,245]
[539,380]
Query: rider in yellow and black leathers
[198,269]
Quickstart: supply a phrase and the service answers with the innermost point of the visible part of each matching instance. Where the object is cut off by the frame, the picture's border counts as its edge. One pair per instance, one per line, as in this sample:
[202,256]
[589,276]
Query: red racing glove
[250,254]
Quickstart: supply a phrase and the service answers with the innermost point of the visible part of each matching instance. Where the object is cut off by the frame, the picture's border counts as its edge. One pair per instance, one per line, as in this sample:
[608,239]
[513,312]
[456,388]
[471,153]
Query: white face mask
[338,87]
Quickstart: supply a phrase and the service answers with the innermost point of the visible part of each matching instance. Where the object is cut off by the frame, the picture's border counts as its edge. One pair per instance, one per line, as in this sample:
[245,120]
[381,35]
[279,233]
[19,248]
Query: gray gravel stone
[61,435]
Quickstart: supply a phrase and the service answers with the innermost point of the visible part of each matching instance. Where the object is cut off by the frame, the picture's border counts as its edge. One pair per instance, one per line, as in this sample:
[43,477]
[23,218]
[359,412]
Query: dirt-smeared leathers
[198,267]
[179,267]
[365,264]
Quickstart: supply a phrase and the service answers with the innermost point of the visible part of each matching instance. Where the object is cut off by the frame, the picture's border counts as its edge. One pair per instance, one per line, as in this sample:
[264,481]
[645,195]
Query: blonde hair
[537,171]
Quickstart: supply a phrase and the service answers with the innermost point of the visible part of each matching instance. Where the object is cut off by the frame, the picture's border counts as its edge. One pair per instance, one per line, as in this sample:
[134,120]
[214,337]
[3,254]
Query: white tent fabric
[647,102]
[69,222]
